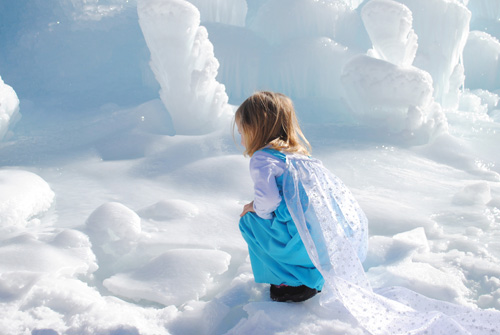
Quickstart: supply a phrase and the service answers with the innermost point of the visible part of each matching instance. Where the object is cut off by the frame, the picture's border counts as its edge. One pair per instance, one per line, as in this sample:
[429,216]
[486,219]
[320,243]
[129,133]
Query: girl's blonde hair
[268,119]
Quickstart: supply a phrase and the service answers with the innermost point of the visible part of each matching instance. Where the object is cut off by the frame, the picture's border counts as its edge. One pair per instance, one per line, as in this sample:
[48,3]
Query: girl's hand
[247,208]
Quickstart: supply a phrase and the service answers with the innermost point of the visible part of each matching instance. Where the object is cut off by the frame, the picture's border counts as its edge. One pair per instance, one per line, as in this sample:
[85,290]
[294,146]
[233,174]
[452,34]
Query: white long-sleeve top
[264,168]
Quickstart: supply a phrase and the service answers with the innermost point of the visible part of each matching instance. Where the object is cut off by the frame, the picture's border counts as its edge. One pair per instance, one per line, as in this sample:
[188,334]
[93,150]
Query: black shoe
[284,293]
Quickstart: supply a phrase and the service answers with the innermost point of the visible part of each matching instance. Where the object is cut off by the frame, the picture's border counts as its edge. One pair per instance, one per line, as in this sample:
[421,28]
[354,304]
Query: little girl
[299,212]
[304,229]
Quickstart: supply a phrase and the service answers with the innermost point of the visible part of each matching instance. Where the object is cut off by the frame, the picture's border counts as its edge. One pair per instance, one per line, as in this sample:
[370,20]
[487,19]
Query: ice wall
[441,44]
[484,9]
[241,53]
[94,10]
[419,71]
[183,62]
[57,53]
[482,61]
[485,16]
[231,12]
[310,69]
[9,108]
[382,87]
[279,21]
[298,48]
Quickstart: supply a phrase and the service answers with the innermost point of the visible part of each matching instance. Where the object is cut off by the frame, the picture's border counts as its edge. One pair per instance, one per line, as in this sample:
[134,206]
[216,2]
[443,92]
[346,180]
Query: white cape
[335,232]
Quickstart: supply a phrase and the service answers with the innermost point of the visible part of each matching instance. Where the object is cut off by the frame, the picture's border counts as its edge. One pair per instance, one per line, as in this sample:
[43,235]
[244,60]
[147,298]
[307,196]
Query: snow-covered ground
[121,184]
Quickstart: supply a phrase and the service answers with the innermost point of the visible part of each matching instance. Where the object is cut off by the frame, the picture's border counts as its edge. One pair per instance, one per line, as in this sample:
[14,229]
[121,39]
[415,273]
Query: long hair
[268,119]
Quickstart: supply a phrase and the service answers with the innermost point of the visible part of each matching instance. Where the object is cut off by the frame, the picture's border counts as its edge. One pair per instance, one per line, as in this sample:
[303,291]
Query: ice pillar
[184,64]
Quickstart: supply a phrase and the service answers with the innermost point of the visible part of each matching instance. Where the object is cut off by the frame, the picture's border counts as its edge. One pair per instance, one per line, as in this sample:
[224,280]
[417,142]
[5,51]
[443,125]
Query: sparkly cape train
[334,230]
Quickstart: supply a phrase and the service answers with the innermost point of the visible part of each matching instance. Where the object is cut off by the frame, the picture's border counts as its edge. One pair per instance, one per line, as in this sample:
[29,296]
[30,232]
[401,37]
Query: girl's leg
[277,257]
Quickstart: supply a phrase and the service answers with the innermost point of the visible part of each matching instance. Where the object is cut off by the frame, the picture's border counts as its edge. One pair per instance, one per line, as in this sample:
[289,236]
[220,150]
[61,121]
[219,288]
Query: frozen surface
[109,224]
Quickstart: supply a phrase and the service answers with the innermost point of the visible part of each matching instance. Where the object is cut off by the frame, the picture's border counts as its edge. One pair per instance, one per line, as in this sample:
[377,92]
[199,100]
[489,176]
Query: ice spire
[184,64]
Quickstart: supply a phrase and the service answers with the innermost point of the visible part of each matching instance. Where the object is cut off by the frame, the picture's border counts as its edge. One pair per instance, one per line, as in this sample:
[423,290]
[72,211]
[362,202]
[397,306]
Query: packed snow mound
[491,298]
[24,196]
[478,193]
[183,61]
[9,108]
[169,209]
[478,102]
[400,256]
[69,254]
[115,219]
[488,99]
[114,229]
[482,61]
[176,276]
[54,298]
[389,25]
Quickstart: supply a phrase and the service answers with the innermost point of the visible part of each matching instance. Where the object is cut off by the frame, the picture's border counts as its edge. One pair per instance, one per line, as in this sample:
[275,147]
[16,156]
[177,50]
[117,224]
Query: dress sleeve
[264,168]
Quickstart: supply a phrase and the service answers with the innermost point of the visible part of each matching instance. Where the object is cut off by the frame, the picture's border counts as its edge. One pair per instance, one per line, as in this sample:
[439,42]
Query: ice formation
[407,270]
[484,9]
[389,25]
[183,62]
[310,69]
[24,195]
[482,61]
[231,12]
[396,98]
[441,44]
[325,18]
[9,108]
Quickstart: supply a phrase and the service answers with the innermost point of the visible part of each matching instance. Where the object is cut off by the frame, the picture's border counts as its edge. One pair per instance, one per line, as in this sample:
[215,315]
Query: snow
[121,185]
[172,278]
[9,108]
[24,196]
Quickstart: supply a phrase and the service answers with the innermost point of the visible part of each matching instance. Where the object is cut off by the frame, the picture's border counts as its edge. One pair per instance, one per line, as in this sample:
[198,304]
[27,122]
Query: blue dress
[277,253]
